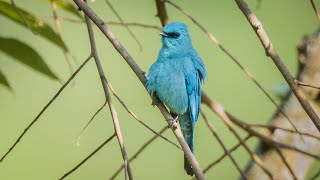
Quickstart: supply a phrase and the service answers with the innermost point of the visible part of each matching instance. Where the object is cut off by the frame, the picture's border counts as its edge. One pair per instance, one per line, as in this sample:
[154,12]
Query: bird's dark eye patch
[174,35]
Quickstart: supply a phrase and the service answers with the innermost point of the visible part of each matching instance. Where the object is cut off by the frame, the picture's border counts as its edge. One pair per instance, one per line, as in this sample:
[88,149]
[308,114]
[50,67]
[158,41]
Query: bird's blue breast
[166,78]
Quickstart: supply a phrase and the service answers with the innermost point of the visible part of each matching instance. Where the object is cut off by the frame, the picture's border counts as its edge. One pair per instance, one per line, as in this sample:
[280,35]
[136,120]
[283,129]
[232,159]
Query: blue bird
[176,78]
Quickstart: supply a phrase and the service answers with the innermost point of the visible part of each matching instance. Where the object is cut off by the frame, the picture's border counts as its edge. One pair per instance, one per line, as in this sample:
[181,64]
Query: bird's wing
[193,83]
[152,77]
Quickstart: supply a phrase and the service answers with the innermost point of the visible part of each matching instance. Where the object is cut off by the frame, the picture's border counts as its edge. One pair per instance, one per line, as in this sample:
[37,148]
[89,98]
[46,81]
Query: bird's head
[175,35]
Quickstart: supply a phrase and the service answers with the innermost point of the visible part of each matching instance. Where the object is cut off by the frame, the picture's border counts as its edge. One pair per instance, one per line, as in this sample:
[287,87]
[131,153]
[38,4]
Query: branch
[214,133]
[88,157]
[108,98]
[141,75]
[123,23]
[140,150]
[46,107]
[271,52]
[161,12]
[22,17]
[315,9]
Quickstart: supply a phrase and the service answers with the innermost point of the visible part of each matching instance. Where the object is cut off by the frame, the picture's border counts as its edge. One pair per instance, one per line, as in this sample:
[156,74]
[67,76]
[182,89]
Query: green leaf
[26,55]
[68,7]
[4,81]
[36,24]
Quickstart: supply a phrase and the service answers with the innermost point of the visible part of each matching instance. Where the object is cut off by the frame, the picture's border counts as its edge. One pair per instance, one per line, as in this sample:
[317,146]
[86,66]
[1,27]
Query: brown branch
[138,119]
[141,75]
[88,123]
[161,12]
[46,107]
[306,84]
[123,23]
[213,131]
[206,169]
[88,157]
[237,62]
[273,128]
[271,52]
[315,9]
[285,162]
[140,150]
[108,98]
[222,114]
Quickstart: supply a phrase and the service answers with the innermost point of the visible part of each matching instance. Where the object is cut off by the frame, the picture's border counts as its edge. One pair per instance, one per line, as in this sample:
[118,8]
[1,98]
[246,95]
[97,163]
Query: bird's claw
[172,122]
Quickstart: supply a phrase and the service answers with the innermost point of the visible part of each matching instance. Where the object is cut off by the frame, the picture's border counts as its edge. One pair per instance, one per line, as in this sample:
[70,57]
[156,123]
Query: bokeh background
[49,150]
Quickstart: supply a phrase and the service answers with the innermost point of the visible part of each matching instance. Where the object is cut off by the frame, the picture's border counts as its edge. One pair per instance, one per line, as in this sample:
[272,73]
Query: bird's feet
[172,122]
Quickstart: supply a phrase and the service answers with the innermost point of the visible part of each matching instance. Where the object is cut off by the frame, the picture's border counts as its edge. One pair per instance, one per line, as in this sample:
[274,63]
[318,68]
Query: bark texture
[309,72]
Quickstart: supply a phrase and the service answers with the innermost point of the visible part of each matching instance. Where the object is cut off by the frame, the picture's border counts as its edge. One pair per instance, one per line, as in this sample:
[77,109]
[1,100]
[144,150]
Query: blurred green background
[49,150]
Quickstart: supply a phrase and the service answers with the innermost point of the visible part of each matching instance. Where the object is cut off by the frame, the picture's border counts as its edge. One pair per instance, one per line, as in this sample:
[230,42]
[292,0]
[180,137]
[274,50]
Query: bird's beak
[163,34]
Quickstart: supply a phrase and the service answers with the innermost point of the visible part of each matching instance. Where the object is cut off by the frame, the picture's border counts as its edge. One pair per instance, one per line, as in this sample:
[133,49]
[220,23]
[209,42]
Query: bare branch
[206,169]
[88,157]
[141,75]
[272,53]
[46,107]
[108,98]
[213,131]
[140,150]
[88,123]
[299,83]
[315,9]
[273,127]
[124,24]
[161,12]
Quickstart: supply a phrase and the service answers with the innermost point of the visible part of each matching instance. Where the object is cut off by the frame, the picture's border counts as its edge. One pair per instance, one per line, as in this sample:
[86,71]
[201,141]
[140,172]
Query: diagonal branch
[315,9]
[213,131]
[88,157]
[141,75]
[108,98]
[46,107]
[272,53]
[124,24]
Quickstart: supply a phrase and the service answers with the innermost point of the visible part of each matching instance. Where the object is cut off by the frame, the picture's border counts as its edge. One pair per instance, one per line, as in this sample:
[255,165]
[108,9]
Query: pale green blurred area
[49,149]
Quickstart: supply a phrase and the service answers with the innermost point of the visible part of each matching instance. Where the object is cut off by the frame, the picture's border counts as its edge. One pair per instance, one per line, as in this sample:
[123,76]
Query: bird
[176,78]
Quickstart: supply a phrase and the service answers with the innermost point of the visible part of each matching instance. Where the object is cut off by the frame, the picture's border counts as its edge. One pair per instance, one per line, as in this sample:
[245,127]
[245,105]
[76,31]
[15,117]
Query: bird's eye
[175,35]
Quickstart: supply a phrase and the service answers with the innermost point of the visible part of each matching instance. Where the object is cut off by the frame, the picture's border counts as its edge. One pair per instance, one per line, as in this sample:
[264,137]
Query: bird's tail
[187,131]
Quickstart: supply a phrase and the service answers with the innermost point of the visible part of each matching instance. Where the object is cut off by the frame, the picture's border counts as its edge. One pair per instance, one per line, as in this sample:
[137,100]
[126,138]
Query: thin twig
[206,169]
[315,9]
[141,75]
[46,107]
[237,62]
[122,22]
[278,150]
[22,17]
[213,131]
[137,118]
[221,113]
[88,157]
[108,98]
[88,123]
[272,53]
[299,83]
[140,150]
[273,127]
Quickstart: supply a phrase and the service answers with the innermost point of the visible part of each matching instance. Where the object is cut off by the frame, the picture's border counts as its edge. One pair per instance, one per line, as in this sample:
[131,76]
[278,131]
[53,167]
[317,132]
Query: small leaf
[68,7]
[4,81]
[26,55]
[36,24]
